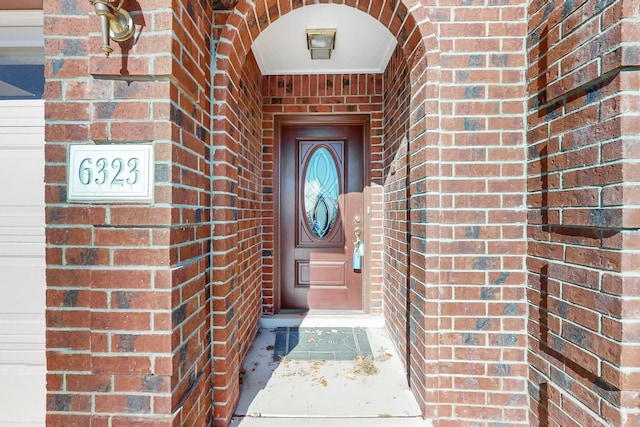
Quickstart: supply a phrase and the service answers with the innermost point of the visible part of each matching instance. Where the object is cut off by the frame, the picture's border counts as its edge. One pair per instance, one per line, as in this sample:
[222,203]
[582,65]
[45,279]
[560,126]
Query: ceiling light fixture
[321,42]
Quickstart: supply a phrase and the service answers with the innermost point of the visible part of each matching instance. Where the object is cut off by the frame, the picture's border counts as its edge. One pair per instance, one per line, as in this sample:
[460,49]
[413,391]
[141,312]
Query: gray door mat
[321,343]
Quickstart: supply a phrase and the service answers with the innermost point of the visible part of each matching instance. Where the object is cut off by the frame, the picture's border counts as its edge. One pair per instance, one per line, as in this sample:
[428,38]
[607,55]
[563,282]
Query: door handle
[357,231]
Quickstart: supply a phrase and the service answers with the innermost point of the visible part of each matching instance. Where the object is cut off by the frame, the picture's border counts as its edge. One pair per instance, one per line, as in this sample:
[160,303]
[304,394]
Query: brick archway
[414,33]
[146,304]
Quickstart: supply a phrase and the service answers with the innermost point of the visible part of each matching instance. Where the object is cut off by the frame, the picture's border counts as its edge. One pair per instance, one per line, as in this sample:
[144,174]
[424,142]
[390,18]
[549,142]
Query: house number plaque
[110,173]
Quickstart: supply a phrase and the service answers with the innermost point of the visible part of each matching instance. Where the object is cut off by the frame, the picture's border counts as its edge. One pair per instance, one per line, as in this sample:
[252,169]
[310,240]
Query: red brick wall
[191,211]
[395,158]
[247,296]
[128,292]
[237,261]
[583,252]
[326,94]
[185,271]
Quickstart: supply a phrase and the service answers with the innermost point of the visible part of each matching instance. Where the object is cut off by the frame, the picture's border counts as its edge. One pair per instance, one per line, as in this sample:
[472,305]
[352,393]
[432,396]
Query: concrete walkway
[369,391]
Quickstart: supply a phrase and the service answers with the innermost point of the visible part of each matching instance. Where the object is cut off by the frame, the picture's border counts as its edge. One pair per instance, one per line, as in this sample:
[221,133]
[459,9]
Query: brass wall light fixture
[115,22]
[321,42]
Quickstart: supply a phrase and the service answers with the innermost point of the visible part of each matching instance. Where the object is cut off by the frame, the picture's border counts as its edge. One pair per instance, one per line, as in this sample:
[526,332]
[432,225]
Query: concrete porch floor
[297,393]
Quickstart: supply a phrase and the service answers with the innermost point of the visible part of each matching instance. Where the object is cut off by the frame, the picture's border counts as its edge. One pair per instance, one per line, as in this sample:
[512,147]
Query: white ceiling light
[365,45]
[321,42]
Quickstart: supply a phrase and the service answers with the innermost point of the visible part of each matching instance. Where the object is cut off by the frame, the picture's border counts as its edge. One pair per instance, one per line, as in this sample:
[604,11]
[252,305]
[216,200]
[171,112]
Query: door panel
[324,273]
[321,184]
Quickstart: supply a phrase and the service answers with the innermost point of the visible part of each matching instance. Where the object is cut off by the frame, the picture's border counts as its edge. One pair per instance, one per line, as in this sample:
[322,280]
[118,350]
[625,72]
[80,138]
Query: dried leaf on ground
[350,375]
[309,369]
[365,366]
[284,361]
[319,380]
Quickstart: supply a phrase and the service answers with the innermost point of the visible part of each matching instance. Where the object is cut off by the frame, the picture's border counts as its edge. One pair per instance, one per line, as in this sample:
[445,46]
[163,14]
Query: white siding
[22,264]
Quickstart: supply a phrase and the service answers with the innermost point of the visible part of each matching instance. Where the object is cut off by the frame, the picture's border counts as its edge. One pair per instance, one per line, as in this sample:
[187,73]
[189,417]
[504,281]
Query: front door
[321,211]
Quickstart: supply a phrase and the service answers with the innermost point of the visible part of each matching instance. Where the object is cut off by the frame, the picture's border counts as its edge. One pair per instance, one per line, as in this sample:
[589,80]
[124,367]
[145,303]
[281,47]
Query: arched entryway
[402,104]
[152,305]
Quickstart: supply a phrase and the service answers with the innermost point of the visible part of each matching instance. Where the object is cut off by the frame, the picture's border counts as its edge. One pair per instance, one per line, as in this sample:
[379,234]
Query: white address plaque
[110,173]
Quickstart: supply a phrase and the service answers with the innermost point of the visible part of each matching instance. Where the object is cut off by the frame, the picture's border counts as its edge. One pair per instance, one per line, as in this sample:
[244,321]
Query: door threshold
[321,318]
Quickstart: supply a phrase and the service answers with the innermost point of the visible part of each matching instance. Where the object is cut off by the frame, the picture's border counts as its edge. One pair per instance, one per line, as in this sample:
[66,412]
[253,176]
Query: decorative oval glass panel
[321,191]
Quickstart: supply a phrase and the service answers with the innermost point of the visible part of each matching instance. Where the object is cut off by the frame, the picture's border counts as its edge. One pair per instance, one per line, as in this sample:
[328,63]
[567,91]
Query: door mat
[321,343]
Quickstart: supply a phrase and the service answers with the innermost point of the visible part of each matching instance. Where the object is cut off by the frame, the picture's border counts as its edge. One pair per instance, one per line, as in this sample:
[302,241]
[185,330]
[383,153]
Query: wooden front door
[321,205]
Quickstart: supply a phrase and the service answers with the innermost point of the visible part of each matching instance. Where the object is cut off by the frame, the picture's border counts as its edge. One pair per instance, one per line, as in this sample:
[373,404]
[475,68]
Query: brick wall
[151,305]
[247,296]
[238,242]
[128,291]
[583,251]
[191,210]
[395,159]
[326,94]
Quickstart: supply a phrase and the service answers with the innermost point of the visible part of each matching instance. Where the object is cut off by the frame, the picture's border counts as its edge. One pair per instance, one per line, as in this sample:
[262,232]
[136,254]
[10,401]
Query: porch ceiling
[363,45]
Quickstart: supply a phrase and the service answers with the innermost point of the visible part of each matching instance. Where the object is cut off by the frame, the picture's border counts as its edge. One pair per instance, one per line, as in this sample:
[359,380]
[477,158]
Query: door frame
[284,120]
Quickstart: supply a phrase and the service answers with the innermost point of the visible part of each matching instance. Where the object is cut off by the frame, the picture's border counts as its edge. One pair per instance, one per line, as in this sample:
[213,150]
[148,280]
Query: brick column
[128,290]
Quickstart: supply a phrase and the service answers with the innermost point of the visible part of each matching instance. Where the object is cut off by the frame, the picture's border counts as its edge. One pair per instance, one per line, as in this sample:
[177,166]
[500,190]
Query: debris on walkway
[367,386]
[365,366]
